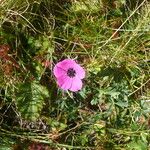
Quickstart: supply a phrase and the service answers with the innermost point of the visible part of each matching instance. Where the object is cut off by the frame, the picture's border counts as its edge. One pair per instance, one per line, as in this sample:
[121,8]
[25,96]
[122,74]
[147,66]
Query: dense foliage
[110,39]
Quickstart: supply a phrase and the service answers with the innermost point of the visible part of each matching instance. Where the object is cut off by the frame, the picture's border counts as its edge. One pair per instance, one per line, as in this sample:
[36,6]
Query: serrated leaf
[5,147]
[30,100]
[6,143]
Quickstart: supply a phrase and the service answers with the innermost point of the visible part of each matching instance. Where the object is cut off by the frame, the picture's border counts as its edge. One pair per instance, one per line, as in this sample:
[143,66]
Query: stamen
[71,72]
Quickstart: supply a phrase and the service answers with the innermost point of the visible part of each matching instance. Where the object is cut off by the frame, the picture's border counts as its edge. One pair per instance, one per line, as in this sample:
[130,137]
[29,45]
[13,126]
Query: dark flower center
[71,72]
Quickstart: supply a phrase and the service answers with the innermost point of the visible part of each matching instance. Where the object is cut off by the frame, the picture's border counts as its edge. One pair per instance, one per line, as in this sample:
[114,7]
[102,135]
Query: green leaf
[5,147]
[122,104]
[89,5]
[6,143]
[30,100]
[139,145]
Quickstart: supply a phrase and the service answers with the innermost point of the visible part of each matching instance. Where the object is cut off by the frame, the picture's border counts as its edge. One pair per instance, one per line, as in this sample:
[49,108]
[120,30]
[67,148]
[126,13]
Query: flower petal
[58,72]
[66,64]
[79,71]
[64,82]
[76,84]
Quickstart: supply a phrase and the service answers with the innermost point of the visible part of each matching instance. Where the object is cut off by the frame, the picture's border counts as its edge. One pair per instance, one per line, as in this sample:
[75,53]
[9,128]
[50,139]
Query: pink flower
[69,74]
